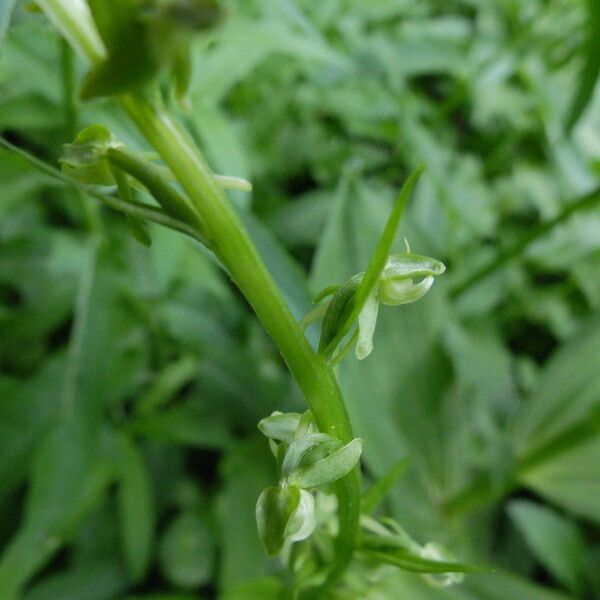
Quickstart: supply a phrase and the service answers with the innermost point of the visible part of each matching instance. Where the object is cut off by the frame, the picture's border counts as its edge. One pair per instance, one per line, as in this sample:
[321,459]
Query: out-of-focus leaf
[381,488]
[555,541]
[570,478]
[5,13]
[591,66]
[101,581]
[66,483]
[136,508]
[186,425]
[247,469]
[268,588]
[187,551]
[565,394]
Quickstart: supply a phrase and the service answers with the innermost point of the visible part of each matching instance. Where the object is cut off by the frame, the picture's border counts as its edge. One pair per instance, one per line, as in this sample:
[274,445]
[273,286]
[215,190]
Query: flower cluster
[307,460]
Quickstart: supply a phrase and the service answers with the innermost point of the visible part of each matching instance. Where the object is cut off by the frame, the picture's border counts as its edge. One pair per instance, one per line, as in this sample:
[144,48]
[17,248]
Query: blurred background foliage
[132,378]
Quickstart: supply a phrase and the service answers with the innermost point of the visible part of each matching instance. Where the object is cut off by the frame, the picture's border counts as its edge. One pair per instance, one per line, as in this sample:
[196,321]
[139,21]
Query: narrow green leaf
[409,561]
[591,65]
[166,385]
[136,509]
[331,340]
[382,487]
[328,469]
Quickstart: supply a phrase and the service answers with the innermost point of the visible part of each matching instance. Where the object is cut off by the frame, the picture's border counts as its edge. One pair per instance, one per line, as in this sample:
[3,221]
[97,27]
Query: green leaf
[268,588]
[332,336]
[328,469]
[246,470]
[555,541]
[187,551]
[95,581]
[130,63]
[591,65]
[570,478]
[409,561]
[565,394]
[6,10]
[136,509]
[185,425]
[381,488]
[66,483]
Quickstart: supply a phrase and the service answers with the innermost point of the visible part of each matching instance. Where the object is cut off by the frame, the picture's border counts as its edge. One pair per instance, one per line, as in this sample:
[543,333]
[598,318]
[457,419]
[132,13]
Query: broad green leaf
[260,589]
[136,508]
[187,551]
[570,478]
[130,63]
[101,581]
[66,483]
[566,393]
[248,468]
[555,541]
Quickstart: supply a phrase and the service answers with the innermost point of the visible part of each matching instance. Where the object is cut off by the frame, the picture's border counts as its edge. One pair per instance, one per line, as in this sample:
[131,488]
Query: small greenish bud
[434,551]
[280,427]
[284,514]
[85,159]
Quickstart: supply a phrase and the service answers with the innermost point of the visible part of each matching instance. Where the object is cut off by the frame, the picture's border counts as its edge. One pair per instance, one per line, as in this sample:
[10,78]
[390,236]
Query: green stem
[67,58]
[234,247]
[516,248]
[174,203]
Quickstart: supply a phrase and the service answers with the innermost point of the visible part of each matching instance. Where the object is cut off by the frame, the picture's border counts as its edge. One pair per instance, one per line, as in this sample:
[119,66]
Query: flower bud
[284,514]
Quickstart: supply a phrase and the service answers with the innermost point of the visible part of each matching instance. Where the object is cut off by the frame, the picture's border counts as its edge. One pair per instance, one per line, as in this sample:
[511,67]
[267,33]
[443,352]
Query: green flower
[406,278]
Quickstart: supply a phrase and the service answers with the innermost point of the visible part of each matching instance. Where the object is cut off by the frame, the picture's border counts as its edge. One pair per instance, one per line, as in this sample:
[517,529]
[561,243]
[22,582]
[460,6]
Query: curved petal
[367,319]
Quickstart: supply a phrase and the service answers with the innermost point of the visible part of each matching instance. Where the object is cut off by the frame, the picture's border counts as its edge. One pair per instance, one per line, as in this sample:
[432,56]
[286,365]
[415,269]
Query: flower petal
[367,319]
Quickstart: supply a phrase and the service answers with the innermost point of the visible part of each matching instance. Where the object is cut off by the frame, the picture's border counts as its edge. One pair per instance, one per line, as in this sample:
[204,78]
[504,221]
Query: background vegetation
[132,378]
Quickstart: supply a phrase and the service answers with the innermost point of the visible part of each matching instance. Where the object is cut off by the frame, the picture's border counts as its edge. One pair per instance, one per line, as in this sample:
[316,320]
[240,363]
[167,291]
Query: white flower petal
[367,319]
